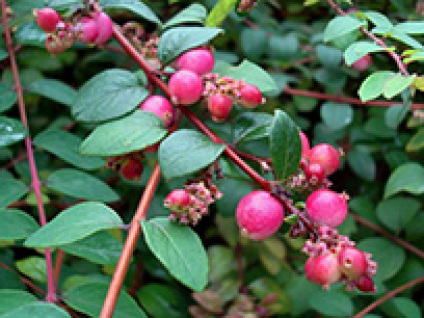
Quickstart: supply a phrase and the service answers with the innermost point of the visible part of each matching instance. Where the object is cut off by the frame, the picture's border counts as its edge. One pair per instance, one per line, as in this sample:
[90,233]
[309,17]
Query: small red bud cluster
[130,166]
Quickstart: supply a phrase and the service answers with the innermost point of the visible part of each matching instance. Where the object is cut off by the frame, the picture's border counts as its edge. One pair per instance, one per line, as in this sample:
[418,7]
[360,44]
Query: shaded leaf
[11,131]
[10,191]
[195,13]
[16,224]
[135,6]
[53,89]
[409,178]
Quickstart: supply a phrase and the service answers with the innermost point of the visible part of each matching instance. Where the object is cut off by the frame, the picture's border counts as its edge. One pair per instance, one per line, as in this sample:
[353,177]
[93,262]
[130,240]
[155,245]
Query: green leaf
[221,259]
[396,212]
[125,135]
[8,98]
[416,142]
[395,114]
[37,310]
[66,146]
[330,57]
[195,13]
[174,149]
[108,95]
[10,191]
[29,33]
[11,299]
[249,126]
[219,12]
[75,223]
[16,224]
[403,308]
[54,90]
[89,297]
[135,6]
[100,248]
[11,131]
[336,116]
[340,26]
[282,47]
[410,27]
[362,163]
[396,85]
[178,40]
[390,257]
[253,42]
[332,303]
[250,73]
[409,178]
[81,185]
[33,267]
[373,85]
[179,249]
[378,19]
[234,190]
[359,49]
[285,145]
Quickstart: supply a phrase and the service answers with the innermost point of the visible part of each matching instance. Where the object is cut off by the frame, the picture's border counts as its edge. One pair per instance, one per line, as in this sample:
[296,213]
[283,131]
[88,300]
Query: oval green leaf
[409,178]
[11,131]
[195,13]
[373,85]
[135,6]
[336,116]
[37,310]
[396,212]
[16,224]
[11,299]
[10,191]
[54,90]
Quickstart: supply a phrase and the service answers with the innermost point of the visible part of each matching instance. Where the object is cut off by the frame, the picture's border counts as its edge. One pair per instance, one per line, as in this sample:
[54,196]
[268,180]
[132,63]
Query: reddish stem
[58,266]
[51,295]
[389,295]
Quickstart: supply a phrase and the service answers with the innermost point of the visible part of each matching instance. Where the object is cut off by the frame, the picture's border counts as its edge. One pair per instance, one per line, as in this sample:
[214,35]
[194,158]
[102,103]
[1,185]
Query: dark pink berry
[365,284]
[161,107]
[186,87]
[132,169]
[314,173]
[105,26]
[325,155]
[177,199]
[250,96]
[199,61]
[259,215]
[323,269]
[327,207]
[305,144]
[219,106]
[363,63]
[89,30]
[352,262]
[47,19]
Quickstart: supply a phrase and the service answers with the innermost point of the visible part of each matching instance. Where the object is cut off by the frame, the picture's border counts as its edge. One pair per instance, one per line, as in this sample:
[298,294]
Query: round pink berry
[314,173]
[365,284]
[305,144]
[186,87]
[105,26]
[327,207]
[250,96]
[325,155]
[259,215]
[132,169]
[363,63]
[177,198]
[323,269]
[199,61]
[219,106]
[352,262]
[89,30]
[47,19]
[161,107]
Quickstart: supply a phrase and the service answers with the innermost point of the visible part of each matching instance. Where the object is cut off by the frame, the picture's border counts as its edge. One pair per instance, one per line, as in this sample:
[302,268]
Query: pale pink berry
[199,61]
[47,19]
[186,87]
[161,107]
[177,199]
[352,262]
[132,169]
[363,63]
[259,215]
[89,30]
[323,269]
[325,155]
[305,144]
[219,106]
[327,207]
[365,284]
[105,26]
[314,173]
[250,96]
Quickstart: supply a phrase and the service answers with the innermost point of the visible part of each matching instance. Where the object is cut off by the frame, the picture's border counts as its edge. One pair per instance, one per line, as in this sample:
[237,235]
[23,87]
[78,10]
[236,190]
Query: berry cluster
[130,166]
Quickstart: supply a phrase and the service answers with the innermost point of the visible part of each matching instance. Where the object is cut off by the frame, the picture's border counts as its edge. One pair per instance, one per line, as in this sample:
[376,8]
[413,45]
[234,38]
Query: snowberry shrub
[199,61]
[89,30]
[327,207]
[323,269]
[219,107]
[250,96]
[161,107]
[47,19]
[325,155]
[363,63]
[186,87]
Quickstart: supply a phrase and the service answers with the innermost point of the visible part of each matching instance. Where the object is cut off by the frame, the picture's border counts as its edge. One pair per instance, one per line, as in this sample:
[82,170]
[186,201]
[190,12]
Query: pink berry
[161,107]
[363,63]
[352,262]
[105,25]
[199,61]
[365,284]
[47,19]
[177,198]
[89,30]
[219,106]
[314,173]
[323,269]
[132,169]
[325,155]
[327,207]
[186,87]
[305,144]
[259,215]
[250,96]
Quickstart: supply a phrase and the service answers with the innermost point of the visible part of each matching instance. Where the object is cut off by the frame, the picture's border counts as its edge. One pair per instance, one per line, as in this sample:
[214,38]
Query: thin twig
[58,266]
[51,295]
